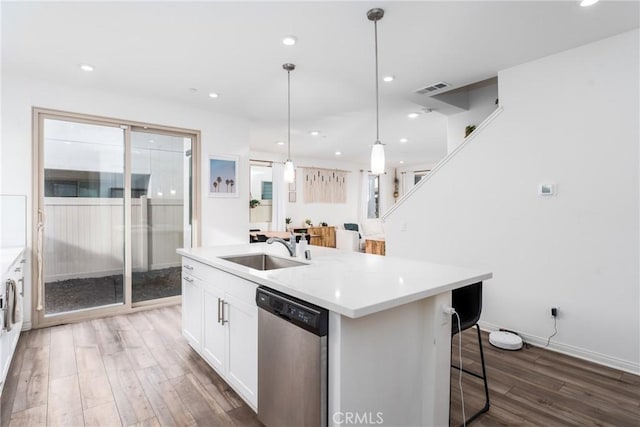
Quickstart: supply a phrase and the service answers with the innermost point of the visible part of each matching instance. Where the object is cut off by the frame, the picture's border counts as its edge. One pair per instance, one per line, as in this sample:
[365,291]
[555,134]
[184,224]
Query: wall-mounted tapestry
[324,185]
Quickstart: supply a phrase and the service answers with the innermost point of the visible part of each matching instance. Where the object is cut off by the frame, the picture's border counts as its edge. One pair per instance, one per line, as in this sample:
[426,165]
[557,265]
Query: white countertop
[9,255]
[353,284]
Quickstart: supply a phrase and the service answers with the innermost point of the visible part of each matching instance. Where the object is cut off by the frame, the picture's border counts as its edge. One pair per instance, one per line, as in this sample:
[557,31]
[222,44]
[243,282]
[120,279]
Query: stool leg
[486,406]
[483,377]
[484,371]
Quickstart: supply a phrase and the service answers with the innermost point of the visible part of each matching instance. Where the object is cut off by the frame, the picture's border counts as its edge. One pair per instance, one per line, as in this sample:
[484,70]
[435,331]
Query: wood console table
[320,236]
[376,247]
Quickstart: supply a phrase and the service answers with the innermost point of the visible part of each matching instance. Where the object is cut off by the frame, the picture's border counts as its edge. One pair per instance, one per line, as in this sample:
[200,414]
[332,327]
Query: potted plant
[468,130]
[308,222]
[253,203]
[287,221]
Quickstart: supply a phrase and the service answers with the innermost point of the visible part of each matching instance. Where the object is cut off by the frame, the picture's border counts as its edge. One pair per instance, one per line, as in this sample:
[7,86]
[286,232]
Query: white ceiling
[161,49]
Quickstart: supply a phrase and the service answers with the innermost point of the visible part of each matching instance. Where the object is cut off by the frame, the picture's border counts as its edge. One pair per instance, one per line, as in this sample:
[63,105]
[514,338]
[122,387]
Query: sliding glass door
[83,167]
[160,192]
[113,205]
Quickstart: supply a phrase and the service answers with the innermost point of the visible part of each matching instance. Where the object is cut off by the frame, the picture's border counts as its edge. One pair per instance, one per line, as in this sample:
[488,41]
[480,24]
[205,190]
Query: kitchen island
[389,341]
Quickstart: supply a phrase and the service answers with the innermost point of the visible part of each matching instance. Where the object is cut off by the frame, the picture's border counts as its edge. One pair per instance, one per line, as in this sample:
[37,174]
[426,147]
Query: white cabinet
[12,309]
[214,344]
[220,320]
[242,347]
[192,310]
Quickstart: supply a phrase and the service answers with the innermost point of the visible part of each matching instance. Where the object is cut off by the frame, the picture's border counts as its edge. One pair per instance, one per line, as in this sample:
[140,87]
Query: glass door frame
[39,115]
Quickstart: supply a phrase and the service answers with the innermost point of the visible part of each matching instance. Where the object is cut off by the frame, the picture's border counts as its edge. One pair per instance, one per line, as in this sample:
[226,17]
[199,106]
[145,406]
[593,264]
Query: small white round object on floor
[505,340]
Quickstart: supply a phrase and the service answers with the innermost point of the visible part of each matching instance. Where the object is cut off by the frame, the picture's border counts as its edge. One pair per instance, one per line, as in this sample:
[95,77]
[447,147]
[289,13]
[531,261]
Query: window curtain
[280,193]
[364,196]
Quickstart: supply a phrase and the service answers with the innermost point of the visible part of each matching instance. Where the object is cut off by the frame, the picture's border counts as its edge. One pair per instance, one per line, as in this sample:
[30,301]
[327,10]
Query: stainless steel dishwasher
[292,361]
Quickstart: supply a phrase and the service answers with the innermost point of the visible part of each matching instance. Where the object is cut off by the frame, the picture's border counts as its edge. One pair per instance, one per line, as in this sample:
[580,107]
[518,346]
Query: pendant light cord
[375,30]
[288,115]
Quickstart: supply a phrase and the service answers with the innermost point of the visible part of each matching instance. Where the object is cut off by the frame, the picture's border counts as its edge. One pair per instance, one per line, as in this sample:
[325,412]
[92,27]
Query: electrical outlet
[447,312]
[554,311]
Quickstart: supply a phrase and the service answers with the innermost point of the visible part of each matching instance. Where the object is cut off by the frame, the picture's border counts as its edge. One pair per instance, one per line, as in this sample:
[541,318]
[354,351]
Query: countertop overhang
[352,284]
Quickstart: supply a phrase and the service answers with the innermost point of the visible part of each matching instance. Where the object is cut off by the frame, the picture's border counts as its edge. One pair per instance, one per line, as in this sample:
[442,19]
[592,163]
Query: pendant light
[289,170]
[377,151]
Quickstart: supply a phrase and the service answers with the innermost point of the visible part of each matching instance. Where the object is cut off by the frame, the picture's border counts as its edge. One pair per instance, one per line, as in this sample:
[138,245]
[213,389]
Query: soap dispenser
[302,245]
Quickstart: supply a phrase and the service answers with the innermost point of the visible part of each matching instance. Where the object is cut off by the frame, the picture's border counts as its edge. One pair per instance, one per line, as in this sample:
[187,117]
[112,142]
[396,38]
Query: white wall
[331,213]
[13,220]
[482,102]
[406,175]
[569,119]
[221,134]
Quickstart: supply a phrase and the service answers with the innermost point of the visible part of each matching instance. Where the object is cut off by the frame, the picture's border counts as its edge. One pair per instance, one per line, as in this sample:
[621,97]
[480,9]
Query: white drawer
[219,279]
[194,268]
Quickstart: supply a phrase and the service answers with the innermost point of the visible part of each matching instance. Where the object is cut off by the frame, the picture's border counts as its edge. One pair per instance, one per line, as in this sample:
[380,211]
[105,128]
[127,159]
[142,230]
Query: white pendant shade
[377,158]
[289,171]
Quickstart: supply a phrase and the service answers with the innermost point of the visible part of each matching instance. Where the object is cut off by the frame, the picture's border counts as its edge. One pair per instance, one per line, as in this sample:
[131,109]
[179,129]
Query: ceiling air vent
[432,88]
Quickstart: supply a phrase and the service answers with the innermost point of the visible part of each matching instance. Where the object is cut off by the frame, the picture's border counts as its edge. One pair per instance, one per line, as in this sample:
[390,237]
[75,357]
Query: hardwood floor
[537,387]
[126,370]
[138,370]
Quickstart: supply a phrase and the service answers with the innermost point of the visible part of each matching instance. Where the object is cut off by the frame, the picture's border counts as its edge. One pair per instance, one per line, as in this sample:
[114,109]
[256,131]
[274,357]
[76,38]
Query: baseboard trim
[580,353]
[26,326]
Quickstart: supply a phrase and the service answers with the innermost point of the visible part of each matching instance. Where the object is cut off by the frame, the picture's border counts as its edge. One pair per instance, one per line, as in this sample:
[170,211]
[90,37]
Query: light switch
[546,190]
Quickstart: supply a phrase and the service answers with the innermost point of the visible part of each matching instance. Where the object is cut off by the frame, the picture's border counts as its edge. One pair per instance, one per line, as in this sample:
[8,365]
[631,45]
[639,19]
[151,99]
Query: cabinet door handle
[219,311]
[188,279]
[222,316]
[188,267]
[21,287]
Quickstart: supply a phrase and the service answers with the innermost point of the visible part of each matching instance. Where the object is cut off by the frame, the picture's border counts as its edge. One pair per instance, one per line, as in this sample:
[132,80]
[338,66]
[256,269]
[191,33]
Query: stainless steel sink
[263,261]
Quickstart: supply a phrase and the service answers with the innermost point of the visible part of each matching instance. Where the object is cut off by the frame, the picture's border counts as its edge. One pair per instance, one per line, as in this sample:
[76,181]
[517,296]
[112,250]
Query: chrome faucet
[291,246]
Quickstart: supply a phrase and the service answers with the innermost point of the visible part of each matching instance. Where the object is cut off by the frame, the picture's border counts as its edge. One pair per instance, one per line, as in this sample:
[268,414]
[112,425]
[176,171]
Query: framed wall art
[223,176]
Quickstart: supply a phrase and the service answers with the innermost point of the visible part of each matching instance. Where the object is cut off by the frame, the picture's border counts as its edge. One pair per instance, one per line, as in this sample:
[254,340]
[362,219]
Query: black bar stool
[467,302]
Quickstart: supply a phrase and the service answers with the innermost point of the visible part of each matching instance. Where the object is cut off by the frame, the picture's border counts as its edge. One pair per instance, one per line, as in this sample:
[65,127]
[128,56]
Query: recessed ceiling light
[413,115]
[314,133]
[213,95]
[86,67]
[388,78]
[403,140]
[585,3]
[289,40]
[338,153]
[280,142]
[402,162]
